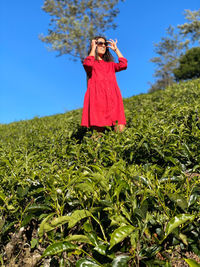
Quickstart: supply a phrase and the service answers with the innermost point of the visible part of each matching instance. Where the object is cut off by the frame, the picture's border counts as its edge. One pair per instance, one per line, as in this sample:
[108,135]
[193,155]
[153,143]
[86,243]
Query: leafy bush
[70,198]
[189,65]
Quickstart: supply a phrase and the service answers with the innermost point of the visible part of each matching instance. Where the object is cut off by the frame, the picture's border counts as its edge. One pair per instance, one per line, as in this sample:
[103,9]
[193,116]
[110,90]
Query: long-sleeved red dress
[103,104]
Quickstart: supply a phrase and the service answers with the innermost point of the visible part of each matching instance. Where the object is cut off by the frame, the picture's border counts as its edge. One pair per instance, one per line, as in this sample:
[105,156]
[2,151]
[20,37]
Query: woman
[103,105]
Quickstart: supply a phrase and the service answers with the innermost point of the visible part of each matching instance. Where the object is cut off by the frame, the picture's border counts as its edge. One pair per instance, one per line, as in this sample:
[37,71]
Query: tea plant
[68,198]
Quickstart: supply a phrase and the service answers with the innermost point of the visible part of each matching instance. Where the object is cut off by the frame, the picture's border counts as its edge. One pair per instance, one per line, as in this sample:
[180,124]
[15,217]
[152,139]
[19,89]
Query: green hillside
[124,199]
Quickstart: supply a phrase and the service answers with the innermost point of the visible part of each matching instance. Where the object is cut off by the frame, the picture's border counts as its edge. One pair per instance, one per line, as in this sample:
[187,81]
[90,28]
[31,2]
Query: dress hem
[110,125]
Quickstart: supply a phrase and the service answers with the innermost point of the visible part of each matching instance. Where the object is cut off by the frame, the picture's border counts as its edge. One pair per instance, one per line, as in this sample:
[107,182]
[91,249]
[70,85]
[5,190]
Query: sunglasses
[101,43]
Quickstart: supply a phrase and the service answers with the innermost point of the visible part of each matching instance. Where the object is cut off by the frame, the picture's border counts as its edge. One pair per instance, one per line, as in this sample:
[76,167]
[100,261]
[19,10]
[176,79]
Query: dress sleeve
[88,63]
[121,65]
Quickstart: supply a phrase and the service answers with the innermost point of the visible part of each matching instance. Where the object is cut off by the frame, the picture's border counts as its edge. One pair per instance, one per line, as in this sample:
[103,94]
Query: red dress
[103,105]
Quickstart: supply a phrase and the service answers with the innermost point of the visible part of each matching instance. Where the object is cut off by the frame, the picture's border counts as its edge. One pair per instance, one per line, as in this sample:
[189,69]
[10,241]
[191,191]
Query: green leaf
[77,216]
[86,263]
[78,238]
[183,238]
[149,252]
[7,227]
[141,179]
[93,238]
[85,187]
[122,185]
[194,196]
[120,261]
[1,260]
[45,226]
[36,208]
[10,207]
[22,191]
[2,222]
[144,209]
[34,242]
[87,227]
[175,161]
[59,221]
[179,200]
[134,238]
[27,219]
[2,196]
[170,179]
[192,263]
[118,220]
[120,234]
[176,221]
[101,249]
[126,213]
[59,247]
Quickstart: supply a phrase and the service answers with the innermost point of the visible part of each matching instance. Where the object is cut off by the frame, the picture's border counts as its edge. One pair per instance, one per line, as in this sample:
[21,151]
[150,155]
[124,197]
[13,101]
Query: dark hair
[107,56]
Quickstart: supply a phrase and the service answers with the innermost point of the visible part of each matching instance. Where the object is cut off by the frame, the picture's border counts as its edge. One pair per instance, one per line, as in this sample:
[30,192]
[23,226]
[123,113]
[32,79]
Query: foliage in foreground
[125,199]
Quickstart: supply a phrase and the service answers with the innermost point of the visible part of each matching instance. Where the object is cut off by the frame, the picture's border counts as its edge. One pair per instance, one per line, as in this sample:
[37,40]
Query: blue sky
[34,82]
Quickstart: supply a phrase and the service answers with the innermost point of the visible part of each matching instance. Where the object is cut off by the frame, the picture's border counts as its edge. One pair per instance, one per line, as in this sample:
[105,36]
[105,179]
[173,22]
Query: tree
[74,22]
[172,47]
[189,65]
[192,28]
[169,50]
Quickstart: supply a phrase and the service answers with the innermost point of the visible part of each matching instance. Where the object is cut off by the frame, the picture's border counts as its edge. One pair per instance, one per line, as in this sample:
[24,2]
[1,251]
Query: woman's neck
[100,57]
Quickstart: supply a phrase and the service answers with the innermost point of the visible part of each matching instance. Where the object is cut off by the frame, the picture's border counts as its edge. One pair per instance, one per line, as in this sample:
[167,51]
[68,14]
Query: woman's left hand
[112,44]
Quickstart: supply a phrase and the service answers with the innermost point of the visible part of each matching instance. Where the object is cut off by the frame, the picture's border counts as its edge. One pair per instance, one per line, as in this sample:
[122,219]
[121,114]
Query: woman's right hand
[94,44]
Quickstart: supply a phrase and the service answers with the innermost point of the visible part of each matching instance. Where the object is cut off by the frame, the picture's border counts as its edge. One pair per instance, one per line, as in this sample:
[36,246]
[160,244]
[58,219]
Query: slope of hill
[128,198]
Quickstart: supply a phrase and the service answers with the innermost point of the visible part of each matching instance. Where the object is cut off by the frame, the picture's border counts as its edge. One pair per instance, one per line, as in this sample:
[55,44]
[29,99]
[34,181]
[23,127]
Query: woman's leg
[98,129]
[119,128]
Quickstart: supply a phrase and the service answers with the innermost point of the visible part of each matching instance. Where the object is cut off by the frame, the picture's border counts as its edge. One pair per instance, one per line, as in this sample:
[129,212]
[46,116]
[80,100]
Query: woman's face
[101,46]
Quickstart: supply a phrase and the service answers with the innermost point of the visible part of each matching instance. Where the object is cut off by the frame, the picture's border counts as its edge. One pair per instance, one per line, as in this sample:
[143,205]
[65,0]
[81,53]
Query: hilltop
[127,198]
